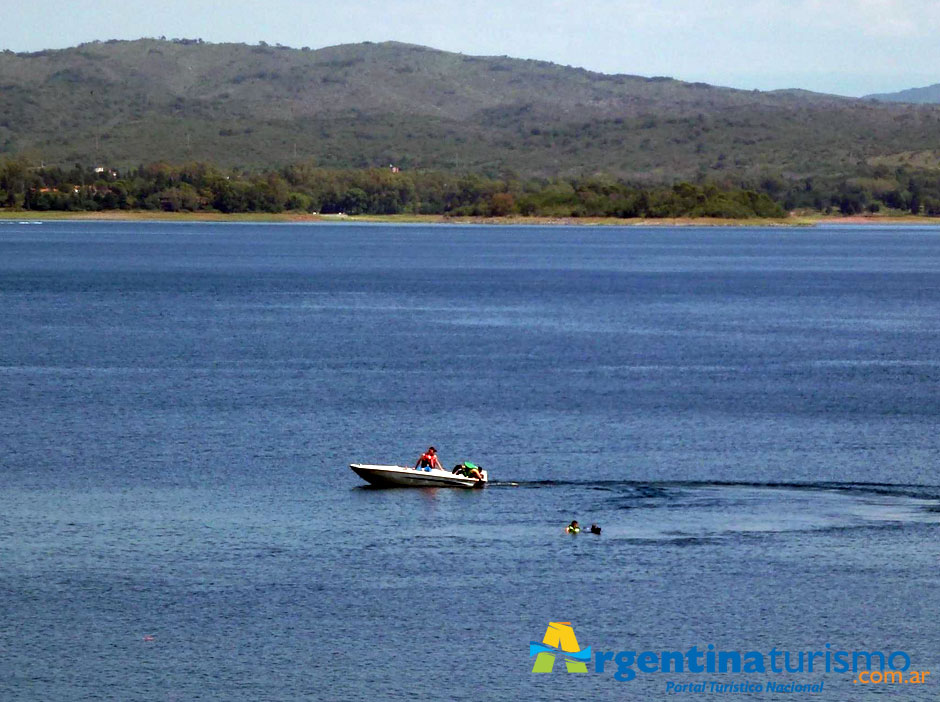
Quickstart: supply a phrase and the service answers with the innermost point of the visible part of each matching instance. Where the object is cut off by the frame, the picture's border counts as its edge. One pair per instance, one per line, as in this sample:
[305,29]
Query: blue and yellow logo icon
[559,635]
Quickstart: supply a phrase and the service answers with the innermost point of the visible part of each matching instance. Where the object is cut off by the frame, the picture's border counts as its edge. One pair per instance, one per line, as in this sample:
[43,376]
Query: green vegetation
[199,187]
[305,188]
[873,189]
[121,103]
[316,131]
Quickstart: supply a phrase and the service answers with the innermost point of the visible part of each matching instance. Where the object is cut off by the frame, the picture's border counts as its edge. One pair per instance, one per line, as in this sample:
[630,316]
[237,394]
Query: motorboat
[402,476]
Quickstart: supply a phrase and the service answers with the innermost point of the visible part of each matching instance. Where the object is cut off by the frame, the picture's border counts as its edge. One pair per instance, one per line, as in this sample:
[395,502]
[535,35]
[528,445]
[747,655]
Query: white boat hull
[401,476]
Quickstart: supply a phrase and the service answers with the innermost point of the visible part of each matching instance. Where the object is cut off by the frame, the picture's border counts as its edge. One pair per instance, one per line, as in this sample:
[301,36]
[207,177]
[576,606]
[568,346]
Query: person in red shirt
[429,460]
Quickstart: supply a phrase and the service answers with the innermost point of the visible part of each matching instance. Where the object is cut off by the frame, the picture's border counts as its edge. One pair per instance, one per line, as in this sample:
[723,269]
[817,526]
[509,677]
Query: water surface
[750,414]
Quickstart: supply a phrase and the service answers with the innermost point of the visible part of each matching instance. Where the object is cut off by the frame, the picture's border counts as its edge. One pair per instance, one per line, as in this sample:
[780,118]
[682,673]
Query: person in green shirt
[471,470]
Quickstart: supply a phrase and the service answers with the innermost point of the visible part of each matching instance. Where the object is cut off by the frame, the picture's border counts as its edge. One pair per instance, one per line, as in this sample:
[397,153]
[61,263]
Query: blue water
[750,414]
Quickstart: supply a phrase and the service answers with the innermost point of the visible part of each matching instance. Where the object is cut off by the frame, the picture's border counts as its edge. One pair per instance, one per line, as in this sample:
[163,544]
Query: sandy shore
[289,217]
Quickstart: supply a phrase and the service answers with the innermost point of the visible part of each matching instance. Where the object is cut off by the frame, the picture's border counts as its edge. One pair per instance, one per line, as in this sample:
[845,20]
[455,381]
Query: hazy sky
[850,47]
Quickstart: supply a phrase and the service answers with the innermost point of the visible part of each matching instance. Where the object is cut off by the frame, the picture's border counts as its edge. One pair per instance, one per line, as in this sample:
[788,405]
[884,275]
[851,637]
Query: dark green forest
[200,187]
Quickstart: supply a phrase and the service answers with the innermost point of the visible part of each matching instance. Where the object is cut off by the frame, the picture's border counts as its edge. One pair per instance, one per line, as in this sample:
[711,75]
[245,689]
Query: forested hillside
[120,104]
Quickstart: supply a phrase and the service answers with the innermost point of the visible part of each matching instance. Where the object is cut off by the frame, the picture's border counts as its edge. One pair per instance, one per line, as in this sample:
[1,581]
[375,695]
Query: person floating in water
[575,528]
[429,460]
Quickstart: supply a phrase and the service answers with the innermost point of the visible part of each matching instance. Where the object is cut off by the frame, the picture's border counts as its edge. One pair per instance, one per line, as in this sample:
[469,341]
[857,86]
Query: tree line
[203,187]
[871,189]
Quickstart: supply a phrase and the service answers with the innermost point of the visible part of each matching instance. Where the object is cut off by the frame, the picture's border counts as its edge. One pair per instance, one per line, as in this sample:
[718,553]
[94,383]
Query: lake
[749,414]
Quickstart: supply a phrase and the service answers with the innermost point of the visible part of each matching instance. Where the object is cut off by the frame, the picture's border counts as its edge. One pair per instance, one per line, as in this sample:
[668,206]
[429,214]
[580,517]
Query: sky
[847,47]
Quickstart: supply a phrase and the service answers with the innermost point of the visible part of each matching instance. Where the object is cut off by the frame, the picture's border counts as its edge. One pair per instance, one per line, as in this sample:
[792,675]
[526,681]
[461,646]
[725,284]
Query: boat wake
[693,511]
[916,491]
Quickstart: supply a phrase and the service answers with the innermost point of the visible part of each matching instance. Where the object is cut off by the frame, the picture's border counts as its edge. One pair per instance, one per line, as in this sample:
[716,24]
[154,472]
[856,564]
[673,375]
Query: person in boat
[429,460]
[470,470]
[574,527]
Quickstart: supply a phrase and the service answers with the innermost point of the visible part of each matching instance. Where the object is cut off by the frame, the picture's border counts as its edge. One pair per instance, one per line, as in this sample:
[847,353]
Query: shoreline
[303,217]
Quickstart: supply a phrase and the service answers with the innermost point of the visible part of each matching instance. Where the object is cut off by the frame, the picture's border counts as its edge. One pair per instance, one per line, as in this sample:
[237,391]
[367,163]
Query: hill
[122,103]
[923,96]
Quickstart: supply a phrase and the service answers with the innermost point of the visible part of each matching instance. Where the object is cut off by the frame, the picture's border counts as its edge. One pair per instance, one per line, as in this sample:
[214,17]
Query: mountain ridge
[929,94]
[122,103]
